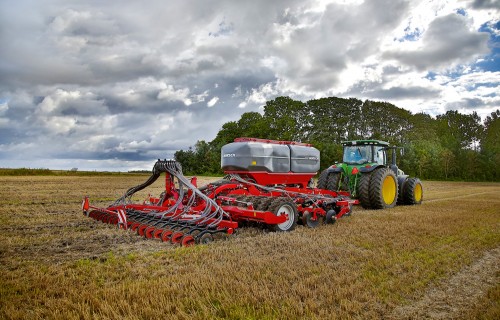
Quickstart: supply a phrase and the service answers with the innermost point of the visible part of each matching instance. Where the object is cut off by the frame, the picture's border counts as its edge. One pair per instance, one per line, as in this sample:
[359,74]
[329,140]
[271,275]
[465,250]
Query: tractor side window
[380,155]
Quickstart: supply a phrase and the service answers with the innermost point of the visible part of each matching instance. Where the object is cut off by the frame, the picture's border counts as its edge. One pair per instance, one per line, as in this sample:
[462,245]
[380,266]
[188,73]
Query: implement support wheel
[288,208]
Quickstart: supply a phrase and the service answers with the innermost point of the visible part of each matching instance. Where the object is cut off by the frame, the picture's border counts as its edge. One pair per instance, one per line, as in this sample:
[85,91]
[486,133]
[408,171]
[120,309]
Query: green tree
[284,118]
[384,121]
[459,131]
[187,160]
[490,147]
[332,120]
[447,161]
[227,134]
[452,146]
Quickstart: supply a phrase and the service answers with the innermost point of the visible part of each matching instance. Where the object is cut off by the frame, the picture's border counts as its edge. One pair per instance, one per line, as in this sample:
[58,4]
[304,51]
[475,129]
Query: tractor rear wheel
[333,181]
[284,206]
[401,187]
[322,180]
[413,192]
[383,189]
[364,190]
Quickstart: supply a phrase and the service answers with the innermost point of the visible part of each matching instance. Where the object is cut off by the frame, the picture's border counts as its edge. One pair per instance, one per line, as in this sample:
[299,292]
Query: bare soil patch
[458,294]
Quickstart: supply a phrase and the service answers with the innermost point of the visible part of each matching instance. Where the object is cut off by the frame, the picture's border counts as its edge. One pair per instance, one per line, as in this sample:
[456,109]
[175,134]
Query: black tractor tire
[401,185]
[383,189]
[413,191]
[363,192]
[284,205]
[333,181]
[323,179]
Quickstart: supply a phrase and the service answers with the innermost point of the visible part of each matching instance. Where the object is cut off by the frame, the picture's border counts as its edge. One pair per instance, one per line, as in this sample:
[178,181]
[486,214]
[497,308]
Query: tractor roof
[365,142]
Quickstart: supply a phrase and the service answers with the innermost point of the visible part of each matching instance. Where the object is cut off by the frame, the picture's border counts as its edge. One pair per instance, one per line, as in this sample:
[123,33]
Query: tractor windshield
[357,154]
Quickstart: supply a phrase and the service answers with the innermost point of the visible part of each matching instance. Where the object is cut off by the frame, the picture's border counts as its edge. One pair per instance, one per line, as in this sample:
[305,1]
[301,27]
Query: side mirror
[402,151]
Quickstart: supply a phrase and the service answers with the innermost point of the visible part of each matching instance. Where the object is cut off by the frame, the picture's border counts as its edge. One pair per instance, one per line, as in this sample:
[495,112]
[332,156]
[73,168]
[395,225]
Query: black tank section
[303,159]
[269,157]
[255,156]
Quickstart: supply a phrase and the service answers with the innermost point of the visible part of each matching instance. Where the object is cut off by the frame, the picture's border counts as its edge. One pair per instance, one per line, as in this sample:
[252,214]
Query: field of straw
[439,260]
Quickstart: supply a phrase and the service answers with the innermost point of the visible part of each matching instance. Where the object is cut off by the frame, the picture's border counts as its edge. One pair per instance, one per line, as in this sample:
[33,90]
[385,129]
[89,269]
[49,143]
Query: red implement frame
[195,215]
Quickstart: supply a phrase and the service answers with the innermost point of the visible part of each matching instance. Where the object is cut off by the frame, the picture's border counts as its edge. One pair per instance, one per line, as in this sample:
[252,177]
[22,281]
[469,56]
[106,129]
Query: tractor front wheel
[383,189]
[413,192]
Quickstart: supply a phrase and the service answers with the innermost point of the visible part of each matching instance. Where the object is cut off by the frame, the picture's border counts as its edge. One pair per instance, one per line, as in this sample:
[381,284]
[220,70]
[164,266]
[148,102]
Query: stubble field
[438,260]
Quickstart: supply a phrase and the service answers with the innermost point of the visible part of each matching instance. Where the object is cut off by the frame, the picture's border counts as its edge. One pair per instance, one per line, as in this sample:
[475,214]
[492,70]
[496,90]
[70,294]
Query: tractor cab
[361,152]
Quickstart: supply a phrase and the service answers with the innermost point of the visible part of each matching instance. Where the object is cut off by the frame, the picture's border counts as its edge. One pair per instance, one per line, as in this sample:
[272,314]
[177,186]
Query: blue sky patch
[491,62]
[411,35]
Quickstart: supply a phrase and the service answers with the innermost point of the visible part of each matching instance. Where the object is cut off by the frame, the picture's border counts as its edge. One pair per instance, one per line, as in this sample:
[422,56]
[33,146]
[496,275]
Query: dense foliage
[452,146]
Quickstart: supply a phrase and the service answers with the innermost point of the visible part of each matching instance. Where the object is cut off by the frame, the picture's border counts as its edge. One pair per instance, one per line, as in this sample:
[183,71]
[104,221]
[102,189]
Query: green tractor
[367,174]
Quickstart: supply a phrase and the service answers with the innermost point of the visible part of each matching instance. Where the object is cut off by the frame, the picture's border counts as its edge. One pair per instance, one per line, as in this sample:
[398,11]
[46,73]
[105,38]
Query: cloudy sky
[114,85]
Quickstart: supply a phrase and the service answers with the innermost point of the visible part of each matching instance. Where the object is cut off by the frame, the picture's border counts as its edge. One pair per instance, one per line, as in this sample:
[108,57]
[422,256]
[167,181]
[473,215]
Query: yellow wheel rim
[389,190]
[418,192]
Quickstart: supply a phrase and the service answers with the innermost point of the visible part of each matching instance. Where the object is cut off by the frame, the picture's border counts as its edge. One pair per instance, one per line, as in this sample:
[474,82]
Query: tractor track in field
[452,297]
[459,197]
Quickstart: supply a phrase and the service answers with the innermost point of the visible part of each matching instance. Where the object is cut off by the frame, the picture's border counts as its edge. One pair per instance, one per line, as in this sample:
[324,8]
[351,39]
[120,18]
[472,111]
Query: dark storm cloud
[448,40]
[486,4]
[376,90]
[466,103]
[403,93]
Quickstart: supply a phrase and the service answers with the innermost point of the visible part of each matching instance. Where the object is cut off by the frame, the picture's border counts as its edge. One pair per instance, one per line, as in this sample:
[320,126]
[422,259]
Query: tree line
[451,146]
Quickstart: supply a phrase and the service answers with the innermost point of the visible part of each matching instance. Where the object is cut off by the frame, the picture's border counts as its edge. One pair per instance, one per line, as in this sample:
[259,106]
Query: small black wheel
[206,238]
[307,220]
[330,217]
